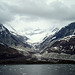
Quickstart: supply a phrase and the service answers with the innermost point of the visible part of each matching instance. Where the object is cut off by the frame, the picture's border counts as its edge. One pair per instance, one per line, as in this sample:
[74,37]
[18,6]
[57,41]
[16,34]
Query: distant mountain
[64,45]
[14,41]
[66,31]
[63,32]
[60,46]
[55,29]
[14,48]
[51,33]
[22,38]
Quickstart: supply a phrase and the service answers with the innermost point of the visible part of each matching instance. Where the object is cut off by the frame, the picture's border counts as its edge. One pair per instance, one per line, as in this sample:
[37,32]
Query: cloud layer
[28,15]
[33,9]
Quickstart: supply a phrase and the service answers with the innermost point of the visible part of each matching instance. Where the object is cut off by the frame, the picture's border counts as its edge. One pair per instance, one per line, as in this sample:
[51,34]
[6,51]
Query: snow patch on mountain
[2,28]
[34,35]
[67,38]
[40,35]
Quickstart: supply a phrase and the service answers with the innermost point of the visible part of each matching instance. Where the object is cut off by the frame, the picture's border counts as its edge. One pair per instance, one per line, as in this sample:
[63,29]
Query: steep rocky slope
[65,31]
[13,40]
[60,46]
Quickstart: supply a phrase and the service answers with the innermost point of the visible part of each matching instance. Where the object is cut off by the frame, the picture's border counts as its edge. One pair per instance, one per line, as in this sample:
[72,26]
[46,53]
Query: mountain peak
[71,25]
[2,28]
[1,25]
[65,31]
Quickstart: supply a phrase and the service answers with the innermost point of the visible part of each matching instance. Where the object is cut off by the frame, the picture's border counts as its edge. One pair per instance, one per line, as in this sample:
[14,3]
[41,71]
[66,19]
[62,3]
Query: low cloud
[27,15]
[56,10]
[34,9]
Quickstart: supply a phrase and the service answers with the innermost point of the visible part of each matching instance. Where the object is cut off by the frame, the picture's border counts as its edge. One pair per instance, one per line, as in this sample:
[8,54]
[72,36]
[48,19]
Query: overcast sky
[28,15]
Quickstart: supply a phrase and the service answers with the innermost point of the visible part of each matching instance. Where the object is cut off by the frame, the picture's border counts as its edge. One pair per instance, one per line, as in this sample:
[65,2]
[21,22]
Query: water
[53,69]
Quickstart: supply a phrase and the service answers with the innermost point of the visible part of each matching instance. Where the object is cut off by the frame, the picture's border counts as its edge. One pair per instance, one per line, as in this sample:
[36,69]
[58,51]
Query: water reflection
[53,69]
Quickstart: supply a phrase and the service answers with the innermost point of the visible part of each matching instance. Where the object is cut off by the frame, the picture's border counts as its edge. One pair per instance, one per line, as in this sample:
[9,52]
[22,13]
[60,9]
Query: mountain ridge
[57,48]
[60,46]
[9,39]
[63,32]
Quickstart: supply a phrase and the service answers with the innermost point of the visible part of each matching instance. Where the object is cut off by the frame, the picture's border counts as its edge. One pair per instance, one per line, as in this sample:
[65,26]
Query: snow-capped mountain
[14,48]
[50,33]
[22,38]
[63,32]
[61,45]
[15,41]
[38,35]
[34,34]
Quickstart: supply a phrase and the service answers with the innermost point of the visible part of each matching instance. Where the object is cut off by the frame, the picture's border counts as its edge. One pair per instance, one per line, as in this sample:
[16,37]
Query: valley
[58,47]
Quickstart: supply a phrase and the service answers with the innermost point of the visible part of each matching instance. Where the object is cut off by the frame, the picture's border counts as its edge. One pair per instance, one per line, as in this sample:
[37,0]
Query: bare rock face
[65,31]
[61,45]
[65,45]
[14,41]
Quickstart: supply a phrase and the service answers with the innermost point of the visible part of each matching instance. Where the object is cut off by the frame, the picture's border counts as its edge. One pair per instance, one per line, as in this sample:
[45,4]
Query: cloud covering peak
[25,15]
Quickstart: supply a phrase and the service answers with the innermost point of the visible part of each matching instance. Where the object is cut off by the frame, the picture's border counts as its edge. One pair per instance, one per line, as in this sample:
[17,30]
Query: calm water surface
[53,69]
